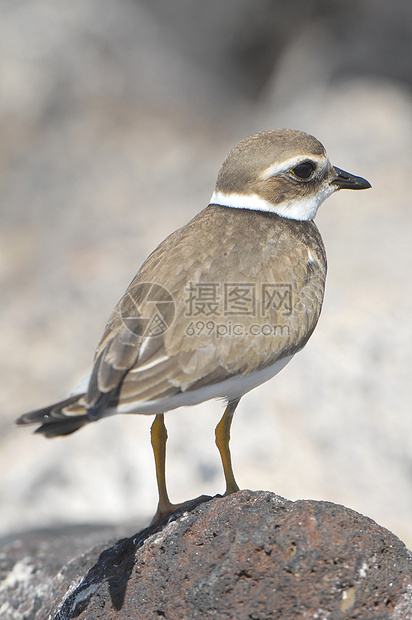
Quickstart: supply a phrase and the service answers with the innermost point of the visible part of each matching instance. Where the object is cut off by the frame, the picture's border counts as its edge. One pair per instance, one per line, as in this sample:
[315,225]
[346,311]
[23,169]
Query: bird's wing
[173,329]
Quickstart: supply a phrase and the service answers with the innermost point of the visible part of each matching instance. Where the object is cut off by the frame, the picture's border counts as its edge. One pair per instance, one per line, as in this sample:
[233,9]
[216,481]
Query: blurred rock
[252,555]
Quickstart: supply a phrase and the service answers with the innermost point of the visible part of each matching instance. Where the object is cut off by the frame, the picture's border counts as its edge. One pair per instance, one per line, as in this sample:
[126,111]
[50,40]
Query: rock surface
[249,555]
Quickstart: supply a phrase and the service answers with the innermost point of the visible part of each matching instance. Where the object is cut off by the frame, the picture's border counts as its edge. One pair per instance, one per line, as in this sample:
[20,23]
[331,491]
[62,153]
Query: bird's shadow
[114,567]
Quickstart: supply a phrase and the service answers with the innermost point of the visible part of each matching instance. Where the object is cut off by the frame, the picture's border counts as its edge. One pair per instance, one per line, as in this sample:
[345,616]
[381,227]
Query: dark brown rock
[37,567]
[249,555]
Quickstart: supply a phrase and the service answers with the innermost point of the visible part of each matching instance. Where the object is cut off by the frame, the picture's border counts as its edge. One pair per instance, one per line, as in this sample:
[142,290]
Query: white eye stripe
[284,166]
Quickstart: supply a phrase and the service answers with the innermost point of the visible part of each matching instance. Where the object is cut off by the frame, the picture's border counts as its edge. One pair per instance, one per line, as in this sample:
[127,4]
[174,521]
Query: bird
[221,305]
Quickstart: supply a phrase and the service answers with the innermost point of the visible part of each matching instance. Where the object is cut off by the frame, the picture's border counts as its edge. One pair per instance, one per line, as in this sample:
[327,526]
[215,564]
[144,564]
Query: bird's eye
[304,170]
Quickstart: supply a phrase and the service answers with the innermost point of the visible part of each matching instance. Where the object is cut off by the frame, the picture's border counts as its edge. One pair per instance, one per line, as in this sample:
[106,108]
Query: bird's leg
[158,434]
[222,434]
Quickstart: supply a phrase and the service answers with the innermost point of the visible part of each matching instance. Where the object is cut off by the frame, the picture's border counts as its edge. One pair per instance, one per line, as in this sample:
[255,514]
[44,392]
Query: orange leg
[222,434]
[158,435]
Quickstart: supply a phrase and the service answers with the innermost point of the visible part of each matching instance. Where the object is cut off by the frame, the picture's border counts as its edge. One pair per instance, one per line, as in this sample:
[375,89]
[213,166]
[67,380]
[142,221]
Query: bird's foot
[165,510]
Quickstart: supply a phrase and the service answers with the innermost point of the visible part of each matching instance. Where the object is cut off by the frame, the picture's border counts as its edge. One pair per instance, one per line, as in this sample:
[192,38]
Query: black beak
[345,180]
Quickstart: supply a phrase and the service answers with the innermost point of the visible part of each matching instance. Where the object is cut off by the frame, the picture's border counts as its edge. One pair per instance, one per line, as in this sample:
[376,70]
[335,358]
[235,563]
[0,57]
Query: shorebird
[222,304]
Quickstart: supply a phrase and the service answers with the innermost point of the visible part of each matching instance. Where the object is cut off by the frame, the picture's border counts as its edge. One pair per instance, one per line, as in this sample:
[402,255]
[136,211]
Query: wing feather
[249,246]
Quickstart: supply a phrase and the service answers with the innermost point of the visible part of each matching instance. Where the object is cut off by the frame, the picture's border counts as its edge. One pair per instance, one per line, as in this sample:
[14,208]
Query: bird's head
[283,171]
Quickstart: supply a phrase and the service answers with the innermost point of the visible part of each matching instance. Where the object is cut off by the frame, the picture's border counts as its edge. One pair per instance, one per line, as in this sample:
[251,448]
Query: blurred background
[115,116]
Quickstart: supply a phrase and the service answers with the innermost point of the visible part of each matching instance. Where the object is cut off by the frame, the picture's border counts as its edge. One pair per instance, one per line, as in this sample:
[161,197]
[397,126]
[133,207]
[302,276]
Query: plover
[222,304]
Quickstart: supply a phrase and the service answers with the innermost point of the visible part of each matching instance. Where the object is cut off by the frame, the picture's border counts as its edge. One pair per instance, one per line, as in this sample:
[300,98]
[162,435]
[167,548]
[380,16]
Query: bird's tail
[62,418]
